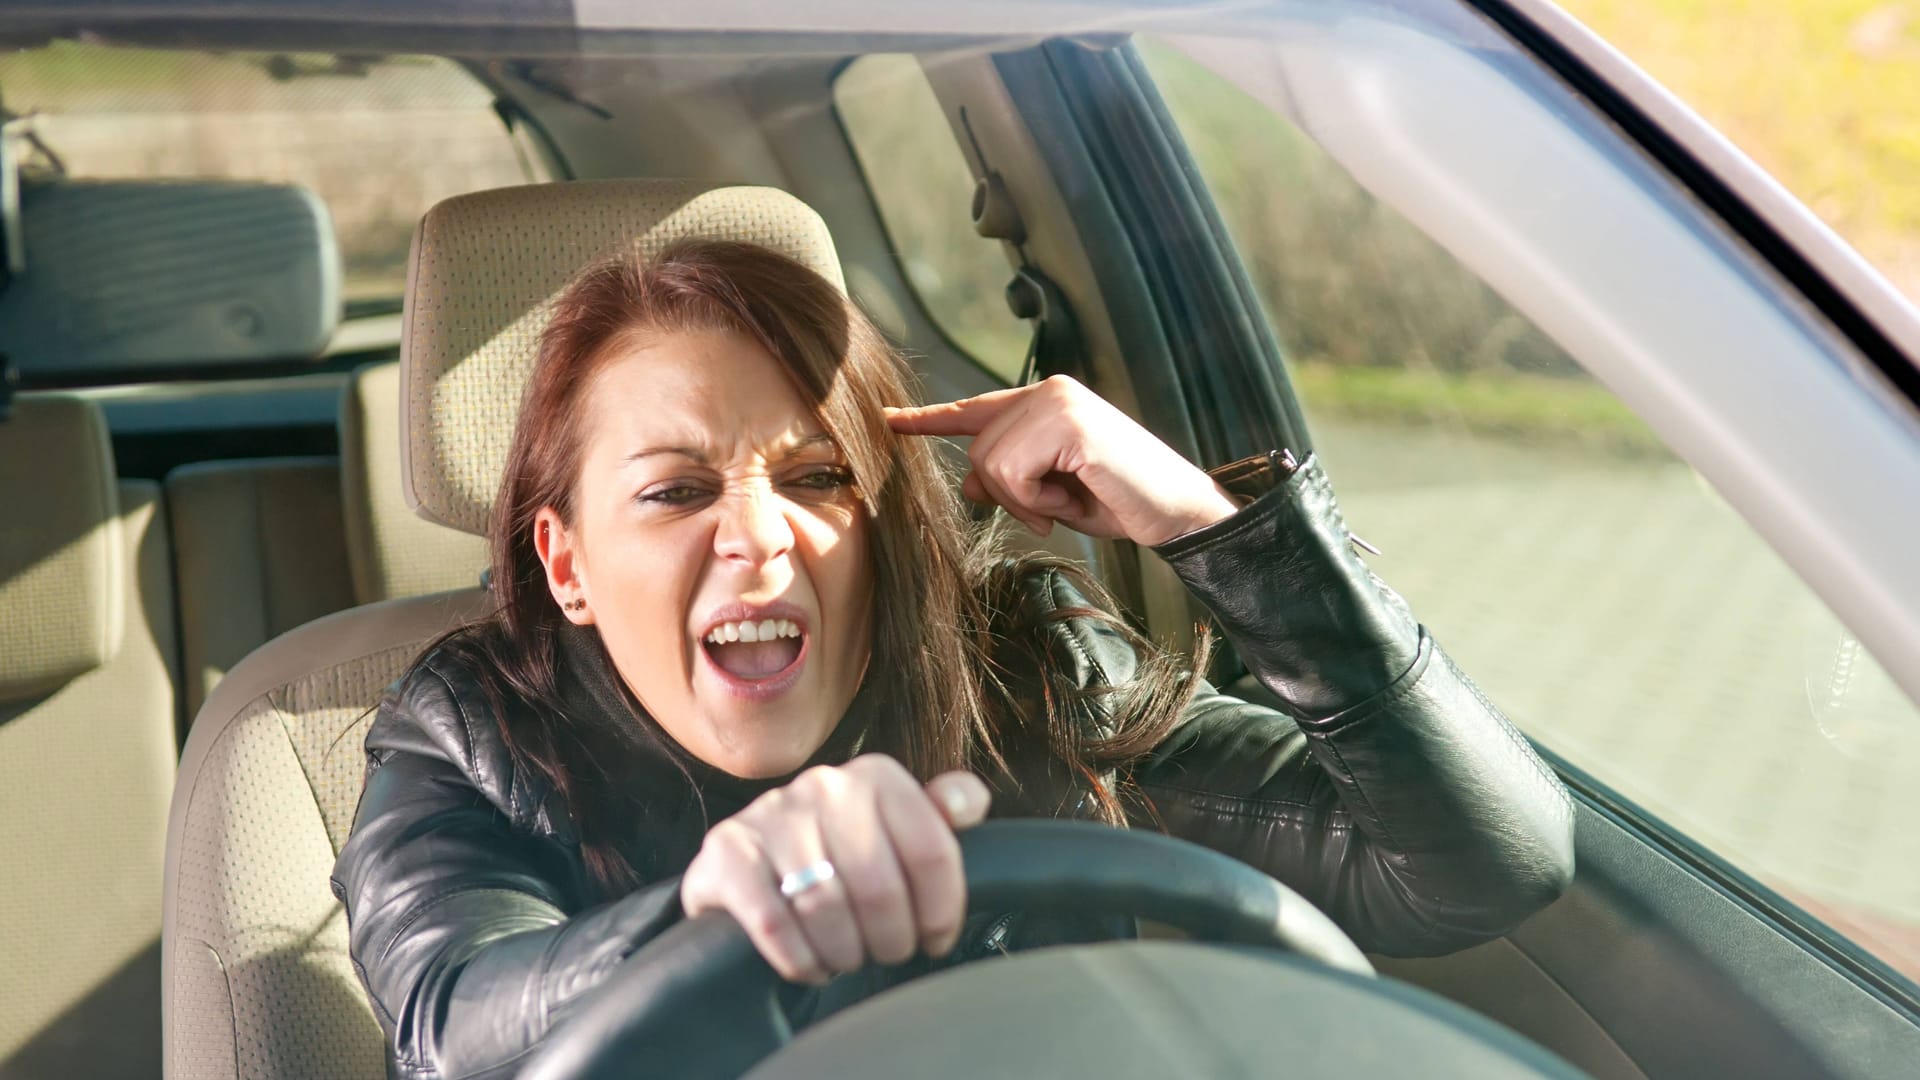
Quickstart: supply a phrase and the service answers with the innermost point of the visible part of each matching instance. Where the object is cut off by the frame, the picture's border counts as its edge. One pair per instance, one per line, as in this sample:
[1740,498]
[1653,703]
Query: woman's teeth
[753,651]
[764,630]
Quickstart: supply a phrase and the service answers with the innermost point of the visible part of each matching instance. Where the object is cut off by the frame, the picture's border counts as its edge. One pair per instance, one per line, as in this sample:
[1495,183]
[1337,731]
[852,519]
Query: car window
[1587,578]
[1822,95]
[378,139]
[923,189]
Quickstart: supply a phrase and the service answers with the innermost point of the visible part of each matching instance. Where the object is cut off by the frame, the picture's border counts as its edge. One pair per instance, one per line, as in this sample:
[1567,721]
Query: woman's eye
[823,480]
[674,495]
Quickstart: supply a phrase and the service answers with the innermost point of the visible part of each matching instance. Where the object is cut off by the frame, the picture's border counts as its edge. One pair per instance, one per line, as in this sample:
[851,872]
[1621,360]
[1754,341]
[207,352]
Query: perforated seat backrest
[256,977]
[258,983]
[87,662]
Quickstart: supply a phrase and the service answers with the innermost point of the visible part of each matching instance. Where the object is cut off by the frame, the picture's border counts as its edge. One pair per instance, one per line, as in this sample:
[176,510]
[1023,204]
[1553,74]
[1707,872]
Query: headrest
[61,562]
[391,550]
[485,270]
[123,276]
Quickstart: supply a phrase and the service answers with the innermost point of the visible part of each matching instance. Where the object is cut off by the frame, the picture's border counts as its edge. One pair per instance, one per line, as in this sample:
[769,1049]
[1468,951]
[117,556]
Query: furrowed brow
[689,452]
[809,443]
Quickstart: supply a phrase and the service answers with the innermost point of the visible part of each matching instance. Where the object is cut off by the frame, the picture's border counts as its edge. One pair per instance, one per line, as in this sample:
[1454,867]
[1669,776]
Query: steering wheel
[698,1000]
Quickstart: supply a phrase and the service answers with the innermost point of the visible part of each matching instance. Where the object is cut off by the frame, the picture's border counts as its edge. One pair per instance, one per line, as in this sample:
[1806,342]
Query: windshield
[1592,392]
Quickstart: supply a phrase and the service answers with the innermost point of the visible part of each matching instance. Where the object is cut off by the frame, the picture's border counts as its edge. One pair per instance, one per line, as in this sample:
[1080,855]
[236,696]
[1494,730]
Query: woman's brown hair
[962,664]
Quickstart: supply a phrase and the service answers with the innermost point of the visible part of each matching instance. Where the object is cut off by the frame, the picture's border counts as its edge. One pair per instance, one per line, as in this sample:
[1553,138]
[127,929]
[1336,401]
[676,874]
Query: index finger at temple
[967,416]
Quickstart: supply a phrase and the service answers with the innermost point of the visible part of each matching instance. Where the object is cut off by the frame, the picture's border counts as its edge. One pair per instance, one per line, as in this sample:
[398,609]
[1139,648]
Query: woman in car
[750,654]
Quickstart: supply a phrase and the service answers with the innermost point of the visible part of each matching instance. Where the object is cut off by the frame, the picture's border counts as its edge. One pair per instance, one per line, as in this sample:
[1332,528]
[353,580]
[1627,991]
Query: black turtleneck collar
[590,684]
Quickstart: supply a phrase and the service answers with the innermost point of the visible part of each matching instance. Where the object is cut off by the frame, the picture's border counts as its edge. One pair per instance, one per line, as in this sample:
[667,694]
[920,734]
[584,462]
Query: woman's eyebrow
[808,443]
[698,456]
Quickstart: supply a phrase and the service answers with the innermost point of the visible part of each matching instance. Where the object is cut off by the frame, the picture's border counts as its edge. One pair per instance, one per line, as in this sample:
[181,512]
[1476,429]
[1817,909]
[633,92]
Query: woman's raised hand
[1056,451]
[895,885]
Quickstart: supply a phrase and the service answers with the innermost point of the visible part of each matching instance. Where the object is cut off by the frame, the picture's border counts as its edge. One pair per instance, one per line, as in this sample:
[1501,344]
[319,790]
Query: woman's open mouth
[757,658]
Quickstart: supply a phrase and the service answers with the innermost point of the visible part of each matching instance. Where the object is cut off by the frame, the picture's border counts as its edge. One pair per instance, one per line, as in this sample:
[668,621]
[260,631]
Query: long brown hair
[959,660]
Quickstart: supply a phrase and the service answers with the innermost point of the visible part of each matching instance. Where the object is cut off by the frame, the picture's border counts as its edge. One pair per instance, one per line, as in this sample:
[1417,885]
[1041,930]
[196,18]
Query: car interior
[237,497]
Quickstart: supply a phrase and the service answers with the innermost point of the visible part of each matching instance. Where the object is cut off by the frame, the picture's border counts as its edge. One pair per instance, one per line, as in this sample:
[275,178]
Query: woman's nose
[753,528]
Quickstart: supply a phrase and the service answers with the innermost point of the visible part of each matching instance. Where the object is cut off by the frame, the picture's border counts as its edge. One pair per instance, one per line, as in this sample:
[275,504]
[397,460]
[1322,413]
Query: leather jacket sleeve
[469,932]
[1391,793]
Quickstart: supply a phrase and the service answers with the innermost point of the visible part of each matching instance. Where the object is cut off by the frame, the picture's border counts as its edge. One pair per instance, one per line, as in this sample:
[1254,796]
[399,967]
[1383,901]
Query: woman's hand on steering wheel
[843,866]
[1055,451]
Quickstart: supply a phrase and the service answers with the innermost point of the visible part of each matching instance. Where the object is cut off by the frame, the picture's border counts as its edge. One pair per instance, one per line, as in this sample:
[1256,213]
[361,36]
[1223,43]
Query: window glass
[1591,582]
[378,139]
[924,191]
[1821,93]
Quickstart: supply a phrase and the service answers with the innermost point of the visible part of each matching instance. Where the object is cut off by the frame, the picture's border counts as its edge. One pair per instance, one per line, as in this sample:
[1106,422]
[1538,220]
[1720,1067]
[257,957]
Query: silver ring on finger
[811,876]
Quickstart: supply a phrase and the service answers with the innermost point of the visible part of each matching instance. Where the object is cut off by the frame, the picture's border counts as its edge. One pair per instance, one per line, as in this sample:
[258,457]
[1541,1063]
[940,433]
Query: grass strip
[1529,408]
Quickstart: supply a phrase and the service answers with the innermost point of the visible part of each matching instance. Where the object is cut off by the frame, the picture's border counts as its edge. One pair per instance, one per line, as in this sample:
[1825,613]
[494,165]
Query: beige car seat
[256,979]
[86,748]
[391,550]
[268,544]
[259,551]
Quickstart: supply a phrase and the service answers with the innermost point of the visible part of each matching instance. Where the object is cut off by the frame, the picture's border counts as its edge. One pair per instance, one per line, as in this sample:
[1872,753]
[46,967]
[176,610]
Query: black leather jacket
[1394,796]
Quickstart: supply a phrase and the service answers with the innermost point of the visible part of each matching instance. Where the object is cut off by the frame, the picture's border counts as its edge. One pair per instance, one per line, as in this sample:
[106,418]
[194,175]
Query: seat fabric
[268,544]
[86,767]
[257,982]
[392,550]
[260,549]
[256,969]
[60,558]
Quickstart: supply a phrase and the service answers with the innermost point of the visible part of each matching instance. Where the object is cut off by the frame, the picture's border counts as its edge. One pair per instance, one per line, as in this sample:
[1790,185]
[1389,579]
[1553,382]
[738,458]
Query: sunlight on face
[721,549]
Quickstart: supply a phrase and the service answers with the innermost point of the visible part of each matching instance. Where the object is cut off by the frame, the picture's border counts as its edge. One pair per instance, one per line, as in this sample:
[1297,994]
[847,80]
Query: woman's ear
[559,552]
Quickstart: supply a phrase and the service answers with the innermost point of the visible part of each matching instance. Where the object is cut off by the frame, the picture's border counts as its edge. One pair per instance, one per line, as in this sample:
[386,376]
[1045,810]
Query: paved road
[1631,621]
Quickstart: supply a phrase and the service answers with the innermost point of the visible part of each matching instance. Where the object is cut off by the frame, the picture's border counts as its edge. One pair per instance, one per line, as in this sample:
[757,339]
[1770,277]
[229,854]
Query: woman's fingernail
[958,801]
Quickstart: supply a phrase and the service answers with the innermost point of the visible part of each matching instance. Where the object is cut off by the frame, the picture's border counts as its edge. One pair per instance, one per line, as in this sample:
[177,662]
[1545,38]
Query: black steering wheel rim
[655,1012]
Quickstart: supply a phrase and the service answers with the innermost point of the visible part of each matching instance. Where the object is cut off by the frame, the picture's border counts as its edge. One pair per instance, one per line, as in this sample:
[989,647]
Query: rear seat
[260,550]
[87,653]
[125,279]
[269,544]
